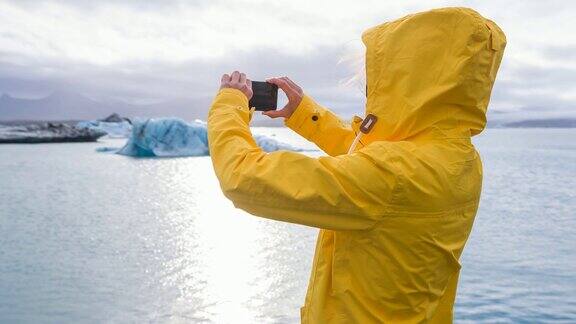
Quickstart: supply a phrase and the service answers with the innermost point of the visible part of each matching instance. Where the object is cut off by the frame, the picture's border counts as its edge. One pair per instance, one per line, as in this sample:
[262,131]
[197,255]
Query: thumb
[273,113]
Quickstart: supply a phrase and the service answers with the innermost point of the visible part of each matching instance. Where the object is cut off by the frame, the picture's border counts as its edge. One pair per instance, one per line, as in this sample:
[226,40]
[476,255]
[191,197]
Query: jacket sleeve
[322,127]
[326,192]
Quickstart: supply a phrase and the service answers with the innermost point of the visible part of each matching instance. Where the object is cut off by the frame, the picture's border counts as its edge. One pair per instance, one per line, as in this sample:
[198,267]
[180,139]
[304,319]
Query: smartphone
[265,96]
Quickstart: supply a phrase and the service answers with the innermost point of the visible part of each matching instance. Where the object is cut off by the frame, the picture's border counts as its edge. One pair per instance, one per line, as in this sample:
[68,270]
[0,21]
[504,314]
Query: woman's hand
[237,81]
[292,91]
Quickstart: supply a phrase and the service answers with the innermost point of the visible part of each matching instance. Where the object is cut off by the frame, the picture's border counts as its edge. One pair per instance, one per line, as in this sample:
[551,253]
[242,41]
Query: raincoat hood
[431,74]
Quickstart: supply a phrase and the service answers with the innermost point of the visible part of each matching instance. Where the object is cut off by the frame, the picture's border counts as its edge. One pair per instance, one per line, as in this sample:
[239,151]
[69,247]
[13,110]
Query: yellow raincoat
[394,215]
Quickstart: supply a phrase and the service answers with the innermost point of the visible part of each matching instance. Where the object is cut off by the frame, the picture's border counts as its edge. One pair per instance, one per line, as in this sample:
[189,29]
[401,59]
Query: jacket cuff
[305,119]
[241,97]
[229,98]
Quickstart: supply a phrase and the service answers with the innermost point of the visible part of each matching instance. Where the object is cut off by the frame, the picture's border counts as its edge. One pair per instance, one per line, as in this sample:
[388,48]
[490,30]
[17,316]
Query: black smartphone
[265,96]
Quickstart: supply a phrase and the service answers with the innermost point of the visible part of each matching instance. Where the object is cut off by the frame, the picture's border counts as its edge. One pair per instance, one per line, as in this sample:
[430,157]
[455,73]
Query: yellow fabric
[394,215]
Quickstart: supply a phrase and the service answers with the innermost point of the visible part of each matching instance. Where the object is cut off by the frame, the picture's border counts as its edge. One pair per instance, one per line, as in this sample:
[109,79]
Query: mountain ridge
[68,105]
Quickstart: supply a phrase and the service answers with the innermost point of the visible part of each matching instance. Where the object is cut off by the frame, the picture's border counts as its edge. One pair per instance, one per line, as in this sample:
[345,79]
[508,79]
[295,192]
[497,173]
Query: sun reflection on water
[228,249]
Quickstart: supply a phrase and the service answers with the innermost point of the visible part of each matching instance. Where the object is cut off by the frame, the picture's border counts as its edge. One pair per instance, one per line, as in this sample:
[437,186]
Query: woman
[396,212]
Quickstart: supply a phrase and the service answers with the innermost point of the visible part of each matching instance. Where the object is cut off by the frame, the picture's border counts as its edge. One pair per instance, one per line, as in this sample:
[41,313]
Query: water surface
[97,237]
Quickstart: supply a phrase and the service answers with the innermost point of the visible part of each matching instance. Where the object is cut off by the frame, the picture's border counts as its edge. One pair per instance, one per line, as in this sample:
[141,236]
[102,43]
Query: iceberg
[171,137]
[121,129]
[47,132]
[166,137]
[269,144]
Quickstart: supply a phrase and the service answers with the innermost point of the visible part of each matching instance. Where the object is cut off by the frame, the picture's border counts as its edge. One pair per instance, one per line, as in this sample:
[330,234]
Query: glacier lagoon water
[92,237]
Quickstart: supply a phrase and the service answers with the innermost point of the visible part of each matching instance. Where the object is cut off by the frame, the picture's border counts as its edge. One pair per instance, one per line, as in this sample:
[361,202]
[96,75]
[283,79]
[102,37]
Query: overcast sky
[168,49]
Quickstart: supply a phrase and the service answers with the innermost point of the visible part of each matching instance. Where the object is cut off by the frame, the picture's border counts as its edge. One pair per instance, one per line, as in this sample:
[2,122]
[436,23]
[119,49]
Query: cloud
[145,82]
[152,51]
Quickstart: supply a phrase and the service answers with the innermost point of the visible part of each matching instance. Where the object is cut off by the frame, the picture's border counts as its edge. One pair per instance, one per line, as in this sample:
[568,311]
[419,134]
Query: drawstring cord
[354,143]
[365,128]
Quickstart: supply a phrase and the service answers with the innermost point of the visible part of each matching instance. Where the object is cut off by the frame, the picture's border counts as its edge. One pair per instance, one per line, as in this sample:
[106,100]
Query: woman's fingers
[224,81]
[248,85]
[282,84]
[292,84]
[284,112]
[275,113]
[292,91]
[237,81]
[242,82]
[235,78]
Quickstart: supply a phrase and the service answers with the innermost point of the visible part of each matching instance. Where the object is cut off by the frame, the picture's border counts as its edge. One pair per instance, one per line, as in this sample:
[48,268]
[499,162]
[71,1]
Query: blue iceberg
[170,137]
[269,144]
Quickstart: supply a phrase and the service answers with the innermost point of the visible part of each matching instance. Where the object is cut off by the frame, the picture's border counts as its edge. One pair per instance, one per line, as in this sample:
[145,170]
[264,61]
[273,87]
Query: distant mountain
[67,105]
[546,123]
[62,105]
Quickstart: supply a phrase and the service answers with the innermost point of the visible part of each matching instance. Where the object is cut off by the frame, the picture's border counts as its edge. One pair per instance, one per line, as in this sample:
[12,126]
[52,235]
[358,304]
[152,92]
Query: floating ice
[107,149]
[120,129]
[166,137]
[174,137]
[270,145]
[47,132]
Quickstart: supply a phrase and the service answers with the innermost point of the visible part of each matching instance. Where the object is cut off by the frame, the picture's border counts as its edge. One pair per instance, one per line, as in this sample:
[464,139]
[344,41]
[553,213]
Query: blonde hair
[354,59]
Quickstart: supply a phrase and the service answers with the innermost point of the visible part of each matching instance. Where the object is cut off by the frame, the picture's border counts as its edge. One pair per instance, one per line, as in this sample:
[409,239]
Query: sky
[151,51]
